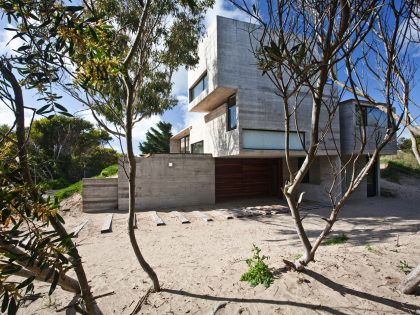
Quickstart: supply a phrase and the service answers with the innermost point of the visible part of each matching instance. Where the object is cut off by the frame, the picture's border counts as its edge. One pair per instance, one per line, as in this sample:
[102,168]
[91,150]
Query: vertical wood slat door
[239,178]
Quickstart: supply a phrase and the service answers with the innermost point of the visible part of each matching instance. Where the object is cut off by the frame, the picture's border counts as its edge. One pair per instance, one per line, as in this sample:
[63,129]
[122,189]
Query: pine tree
[157,140]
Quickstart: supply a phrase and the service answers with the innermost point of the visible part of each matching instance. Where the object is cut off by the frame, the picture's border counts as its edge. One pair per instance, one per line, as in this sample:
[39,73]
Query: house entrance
[243,178]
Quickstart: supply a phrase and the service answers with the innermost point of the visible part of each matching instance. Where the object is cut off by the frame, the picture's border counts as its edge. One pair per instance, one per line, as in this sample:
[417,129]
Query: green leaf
[60,107]
[54,283]
[42,109]
[12,307]
[25,283]
[73,8]
[5,301]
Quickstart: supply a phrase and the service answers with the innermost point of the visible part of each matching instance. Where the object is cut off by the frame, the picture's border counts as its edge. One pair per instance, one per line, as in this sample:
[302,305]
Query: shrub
[258,272]
[69,191]
[109,171]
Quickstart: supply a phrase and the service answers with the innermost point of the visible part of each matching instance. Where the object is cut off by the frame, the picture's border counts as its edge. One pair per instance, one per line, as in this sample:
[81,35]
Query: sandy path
[199,264]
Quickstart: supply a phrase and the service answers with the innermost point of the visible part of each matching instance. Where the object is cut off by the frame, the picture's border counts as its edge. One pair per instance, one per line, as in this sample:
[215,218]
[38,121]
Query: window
[199,87]
[305,179]
[185,144]
[271,140]
[371,116]
[197,148]
[231,113]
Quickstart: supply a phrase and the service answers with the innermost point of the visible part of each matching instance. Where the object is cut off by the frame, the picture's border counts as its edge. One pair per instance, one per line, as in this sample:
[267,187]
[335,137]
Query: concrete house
[243,123]
[237,150]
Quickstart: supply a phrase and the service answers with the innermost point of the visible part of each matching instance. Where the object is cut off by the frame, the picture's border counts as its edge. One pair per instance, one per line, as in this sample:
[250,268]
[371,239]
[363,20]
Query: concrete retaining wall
[170,180]
[100,194]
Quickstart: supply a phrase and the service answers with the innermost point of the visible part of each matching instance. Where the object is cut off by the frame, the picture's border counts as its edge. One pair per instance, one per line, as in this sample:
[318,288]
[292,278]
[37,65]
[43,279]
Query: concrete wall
[189,181]
[361,191]
[100,194]
[351,135]
[321,179]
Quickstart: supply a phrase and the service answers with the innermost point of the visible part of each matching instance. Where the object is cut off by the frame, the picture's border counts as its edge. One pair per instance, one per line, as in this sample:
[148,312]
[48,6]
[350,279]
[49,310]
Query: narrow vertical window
[185,144]
[199,87]
[231,113]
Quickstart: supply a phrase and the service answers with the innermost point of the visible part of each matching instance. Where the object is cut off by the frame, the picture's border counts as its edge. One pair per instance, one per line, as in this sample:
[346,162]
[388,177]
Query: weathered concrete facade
[169,180]
[100,194]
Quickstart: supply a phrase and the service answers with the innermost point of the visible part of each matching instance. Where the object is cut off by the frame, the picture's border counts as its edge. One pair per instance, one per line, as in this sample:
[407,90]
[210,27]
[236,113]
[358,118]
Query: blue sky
[178,116]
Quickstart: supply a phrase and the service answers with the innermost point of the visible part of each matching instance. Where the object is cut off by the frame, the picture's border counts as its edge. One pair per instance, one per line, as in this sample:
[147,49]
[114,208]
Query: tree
[65,148]
[300,46]
[33,239]
[157,140]
[128,77]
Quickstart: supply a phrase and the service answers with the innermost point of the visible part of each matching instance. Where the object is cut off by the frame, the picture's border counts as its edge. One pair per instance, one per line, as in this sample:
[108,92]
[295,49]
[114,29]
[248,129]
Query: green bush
[109,171]
[77,186]
[258,272]
[69,191]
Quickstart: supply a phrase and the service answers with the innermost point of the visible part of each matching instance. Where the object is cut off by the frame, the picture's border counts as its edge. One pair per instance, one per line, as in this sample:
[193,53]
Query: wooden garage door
[238,178]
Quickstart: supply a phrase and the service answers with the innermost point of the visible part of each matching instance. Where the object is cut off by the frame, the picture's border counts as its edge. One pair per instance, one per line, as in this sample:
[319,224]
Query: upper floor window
[231,113]
[185,144]
[199,87]
[371,116]
[198,147]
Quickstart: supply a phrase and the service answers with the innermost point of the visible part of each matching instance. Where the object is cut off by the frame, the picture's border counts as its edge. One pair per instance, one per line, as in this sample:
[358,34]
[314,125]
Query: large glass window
[371,116]
[185,144]
[271,140]
[199,87]
[231,113]
[198,147]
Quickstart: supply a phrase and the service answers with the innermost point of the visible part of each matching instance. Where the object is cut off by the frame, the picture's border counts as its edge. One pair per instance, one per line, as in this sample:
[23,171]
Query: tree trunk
[414,146]
[410,283]
[20,122]
[77,266]
[65,282]
[23,162]
[132,193]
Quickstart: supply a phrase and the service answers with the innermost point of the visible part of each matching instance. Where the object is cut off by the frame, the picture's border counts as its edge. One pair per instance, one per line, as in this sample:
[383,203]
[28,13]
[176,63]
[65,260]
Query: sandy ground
[199,264]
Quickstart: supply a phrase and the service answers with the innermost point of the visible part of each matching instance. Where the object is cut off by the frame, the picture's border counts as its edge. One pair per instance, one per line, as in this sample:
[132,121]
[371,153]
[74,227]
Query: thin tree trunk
[414,146]
[65,282]
[20,122]
[77,266]
[410,283]
[132,193]
[23,161]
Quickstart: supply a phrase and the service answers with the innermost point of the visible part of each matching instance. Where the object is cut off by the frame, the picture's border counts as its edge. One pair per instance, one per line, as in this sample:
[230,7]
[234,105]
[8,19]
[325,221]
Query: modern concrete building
[237,150]
[243,124]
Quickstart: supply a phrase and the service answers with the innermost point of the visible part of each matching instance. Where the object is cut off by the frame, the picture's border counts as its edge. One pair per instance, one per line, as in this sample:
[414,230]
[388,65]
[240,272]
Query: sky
[179,116]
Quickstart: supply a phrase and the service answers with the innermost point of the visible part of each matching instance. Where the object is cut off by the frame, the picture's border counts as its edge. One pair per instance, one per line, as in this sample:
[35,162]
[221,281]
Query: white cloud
[7,45]
[226,9]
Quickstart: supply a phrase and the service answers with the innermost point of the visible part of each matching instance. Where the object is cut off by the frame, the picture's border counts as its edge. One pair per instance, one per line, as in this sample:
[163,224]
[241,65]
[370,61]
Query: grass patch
[403,163]
[339,239]
[77,186]
[108,171]
[69,191]
[404,267]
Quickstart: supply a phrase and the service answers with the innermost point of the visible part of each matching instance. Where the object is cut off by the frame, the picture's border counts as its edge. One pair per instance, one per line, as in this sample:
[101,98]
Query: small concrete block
[181,217]
[107,226]
[77,230]
[156,218]
[203,216]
